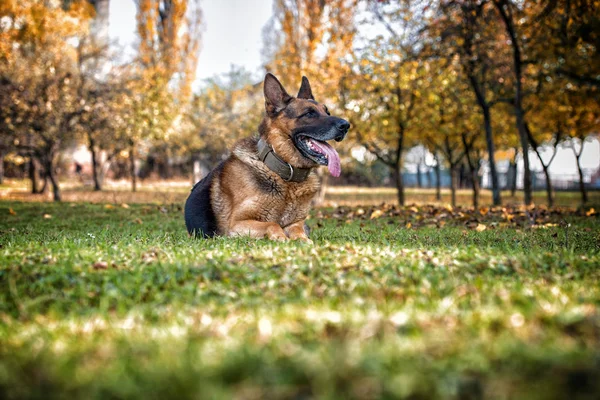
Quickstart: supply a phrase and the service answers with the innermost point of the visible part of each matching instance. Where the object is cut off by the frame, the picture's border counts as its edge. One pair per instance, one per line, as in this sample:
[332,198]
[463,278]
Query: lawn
[421,302]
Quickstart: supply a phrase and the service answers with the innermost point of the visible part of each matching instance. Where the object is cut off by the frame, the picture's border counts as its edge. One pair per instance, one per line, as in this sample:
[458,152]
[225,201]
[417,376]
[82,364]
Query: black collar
[280,167]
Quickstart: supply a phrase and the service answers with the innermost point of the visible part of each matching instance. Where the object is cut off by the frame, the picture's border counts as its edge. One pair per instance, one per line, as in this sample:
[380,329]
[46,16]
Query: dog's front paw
[276,233]
[278,237]
[303,238]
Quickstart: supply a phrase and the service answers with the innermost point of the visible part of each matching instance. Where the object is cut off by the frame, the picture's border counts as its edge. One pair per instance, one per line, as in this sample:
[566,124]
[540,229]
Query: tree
[39,72]
[385,84]
[169,32]
[444,121]
[381,100]
[569,40]
[581,117]
[545,129]
[468,32]
[507,10]
[170,38]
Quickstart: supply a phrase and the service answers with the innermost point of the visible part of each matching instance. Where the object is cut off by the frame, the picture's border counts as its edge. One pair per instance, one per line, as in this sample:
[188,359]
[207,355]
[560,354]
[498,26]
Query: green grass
[110,302]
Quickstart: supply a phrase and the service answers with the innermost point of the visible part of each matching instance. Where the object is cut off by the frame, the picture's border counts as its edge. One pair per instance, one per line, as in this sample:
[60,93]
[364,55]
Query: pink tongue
[334,164]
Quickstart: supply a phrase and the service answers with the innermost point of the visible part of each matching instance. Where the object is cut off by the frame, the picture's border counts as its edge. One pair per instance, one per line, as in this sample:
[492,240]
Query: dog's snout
[342,127]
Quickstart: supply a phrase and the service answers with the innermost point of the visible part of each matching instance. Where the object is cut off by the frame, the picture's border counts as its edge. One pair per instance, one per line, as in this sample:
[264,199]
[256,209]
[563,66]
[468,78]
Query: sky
[232,33]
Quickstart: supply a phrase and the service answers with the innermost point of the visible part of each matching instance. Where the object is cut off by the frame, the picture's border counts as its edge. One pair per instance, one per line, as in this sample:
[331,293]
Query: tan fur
[242,207]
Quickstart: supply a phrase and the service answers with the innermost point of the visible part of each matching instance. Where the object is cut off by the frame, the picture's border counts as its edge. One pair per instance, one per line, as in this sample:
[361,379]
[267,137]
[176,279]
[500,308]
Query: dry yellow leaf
[109,206]
[12,212]
[125,205]
[480,228]
[590,212]
[408,225]
[376,214]
[47,216]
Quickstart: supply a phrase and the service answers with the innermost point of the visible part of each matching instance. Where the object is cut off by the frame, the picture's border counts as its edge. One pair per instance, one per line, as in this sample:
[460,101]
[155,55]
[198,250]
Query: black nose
[342,126]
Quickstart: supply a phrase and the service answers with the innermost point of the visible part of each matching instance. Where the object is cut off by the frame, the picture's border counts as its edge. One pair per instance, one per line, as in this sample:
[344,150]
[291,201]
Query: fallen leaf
[137,221]
[376,214]
[100,265]
[11,211]
[480,228]
[408,225]
[47,216]
[109,206]
[590,212]
[125,205]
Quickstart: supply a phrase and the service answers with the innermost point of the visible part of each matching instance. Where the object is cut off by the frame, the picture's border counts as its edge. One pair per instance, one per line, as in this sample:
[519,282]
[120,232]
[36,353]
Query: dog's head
[298,128]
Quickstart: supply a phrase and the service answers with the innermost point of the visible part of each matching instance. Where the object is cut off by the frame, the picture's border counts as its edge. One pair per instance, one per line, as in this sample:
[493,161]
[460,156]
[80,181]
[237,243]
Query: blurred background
[465,102]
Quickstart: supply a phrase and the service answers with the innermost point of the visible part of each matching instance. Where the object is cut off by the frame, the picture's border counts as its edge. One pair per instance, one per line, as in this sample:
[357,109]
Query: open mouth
[320,152]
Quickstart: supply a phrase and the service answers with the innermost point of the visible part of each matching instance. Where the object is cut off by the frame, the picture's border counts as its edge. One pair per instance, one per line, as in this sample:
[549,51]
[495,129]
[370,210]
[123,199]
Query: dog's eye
[310,114]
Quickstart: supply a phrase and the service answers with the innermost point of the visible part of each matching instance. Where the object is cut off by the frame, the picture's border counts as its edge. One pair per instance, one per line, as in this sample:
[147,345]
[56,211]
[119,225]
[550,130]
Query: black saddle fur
[199,215]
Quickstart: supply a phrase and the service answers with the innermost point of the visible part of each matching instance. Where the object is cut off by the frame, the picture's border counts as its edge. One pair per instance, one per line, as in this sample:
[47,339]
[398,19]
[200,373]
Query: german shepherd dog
[265,187]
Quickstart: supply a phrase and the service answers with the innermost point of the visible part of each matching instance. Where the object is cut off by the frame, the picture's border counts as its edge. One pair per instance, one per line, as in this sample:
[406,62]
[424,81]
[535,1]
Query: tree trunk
[518,100]
[132,167]
[429,178]
[476,188]
[489,139]
[549,189]
[515,174]
[33,175]
[438,180]
[419,177]
[398,166]
[582,190]
[525,147]
[51,174]
[546,170]
[474,169]
[397,172]
[1,166]
[453,181]
[95,166]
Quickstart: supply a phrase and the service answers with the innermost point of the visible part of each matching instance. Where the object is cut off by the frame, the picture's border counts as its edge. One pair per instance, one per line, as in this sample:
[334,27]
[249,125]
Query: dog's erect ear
[276,98]
[305,91]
